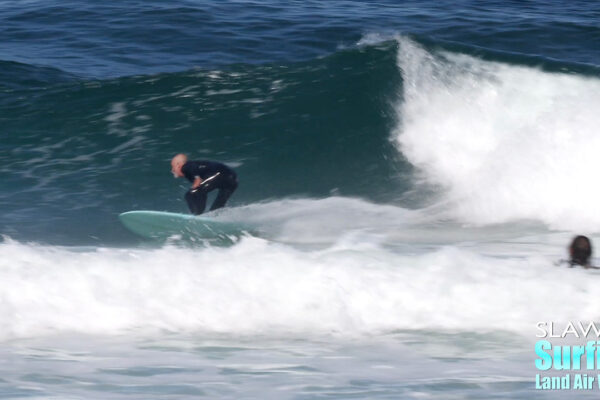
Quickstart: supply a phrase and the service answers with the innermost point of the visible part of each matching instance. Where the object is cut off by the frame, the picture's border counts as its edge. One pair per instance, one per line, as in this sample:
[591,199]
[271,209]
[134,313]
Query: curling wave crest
[503,142]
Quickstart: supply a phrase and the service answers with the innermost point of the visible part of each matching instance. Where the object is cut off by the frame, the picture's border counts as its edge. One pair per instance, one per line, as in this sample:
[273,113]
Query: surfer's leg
[221,199]
[224,193]
[196,201]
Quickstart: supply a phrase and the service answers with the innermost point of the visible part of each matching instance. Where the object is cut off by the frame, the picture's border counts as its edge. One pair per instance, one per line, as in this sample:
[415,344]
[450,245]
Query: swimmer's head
[176,164]
[580,251]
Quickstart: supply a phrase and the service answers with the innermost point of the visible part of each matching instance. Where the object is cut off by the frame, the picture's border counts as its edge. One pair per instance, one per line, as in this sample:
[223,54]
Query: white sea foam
[504,142]
[322,221]
[258,287]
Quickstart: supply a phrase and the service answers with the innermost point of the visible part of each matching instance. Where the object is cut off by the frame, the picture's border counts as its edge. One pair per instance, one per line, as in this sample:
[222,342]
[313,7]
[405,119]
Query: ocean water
[414,170]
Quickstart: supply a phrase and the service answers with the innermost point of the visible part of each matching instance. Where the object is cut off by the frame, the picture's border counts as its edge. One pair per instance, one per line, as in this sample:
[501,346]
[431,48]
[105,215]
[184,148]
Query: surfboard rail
[164,224]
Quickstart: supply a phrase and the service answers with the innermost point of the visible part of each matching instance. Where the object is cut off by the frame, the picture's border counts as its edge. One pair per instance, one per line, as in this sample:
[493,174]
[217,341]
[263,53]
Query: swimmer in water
[580,252]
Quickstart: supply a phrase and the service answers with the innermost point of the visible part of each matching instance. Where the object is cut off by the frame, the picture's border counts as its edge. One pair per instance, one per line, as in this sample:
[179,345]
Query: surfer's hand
[197,183]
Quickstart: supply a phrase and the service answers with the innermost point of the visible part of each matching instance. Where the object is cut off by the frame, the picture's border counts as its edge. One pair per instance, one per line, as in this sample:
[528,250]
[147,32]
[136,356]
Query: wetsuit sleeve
[188,171]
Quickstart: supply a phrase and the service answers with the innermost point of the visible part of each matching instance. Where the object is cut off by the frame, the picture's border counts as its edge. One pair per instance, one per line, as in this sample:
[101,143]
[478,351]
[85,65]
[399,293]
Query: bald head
[176,164]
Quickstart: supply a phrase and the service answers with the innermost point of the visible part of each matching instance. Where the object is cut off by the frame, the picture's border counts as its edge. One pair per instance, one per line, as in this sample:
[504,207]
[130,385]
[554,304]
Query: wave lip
[503,142]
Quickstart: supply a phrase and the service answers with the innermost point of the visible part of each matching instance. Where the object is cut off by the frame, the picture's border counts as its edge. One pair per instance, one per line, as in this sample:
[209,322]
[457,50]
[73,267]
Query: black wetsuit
[214,175]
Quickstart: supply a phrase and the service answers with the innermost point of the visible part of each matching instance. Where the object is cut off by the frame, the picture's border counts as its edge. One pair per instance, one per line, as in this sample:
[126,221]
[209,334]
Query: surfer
[205,177]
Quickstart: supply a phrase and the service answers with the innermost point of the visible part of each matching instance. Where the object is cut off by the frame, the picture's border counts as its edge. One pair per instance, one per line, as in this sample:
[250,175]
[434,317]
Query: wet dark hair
[580,251]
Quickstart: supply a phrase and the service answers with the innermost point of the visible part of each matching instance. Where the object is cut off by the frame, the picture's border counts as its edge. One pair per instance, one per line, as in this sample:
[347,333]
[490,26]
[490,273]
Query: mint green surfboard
[162,225]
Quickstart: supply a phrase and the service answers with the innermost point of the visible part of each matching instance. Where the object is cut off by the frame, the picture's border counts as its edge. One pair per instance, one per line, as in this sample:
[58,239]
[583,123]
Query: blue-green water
[414,170]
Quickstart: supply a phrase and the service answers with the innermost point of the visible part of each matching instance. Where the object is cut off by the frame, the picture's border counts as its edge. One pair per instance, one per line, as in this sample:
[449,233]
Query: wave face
[495,137]
[309,100]
[95,148]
